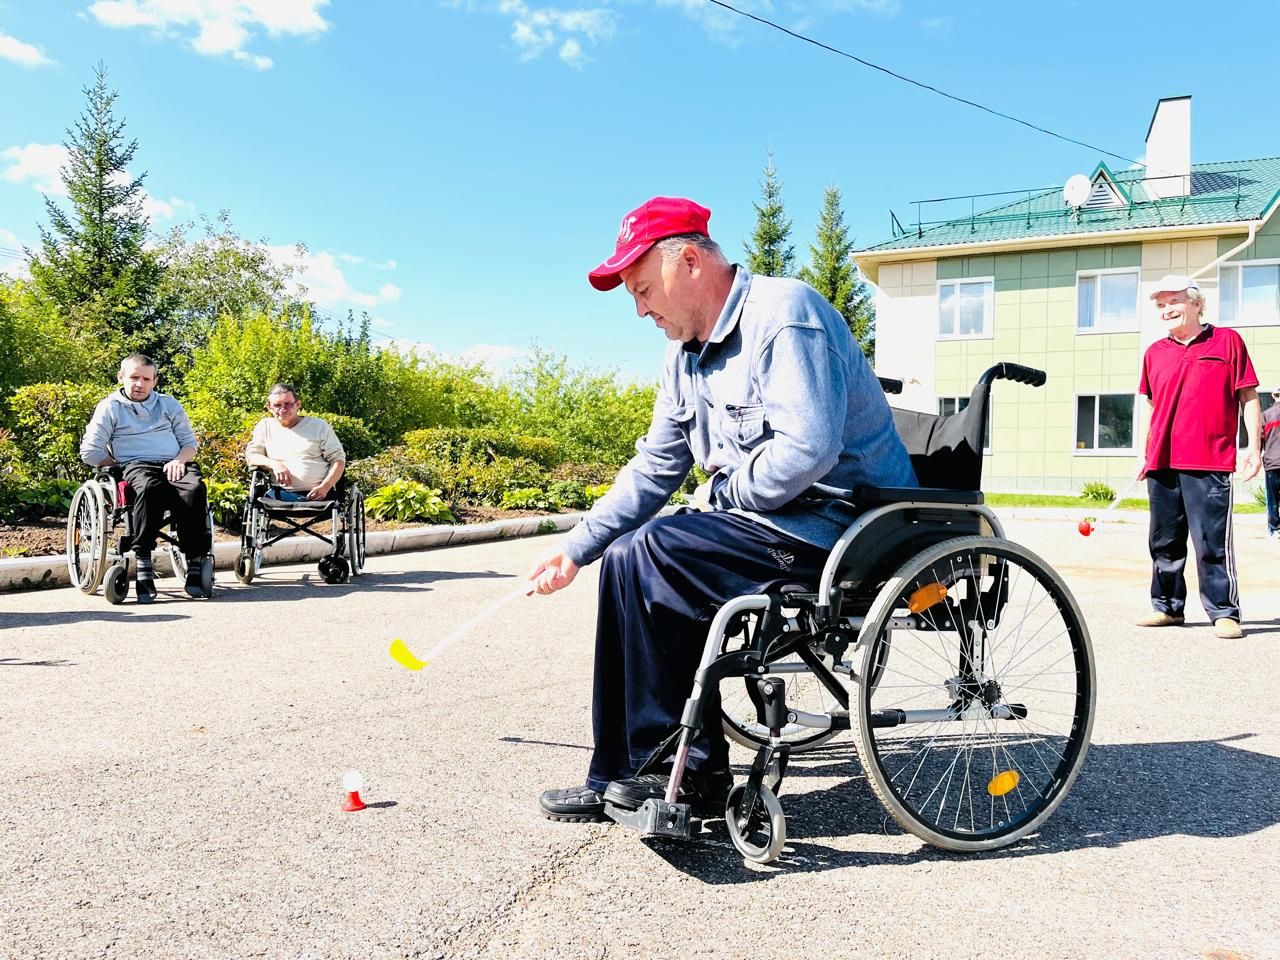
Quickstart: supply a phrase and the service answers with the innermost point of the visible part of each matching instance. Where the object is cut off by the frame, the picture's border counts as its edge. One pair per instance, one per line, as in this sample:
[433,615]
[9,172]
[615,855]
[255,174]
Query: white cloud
[937,23]
[217,28]
[498,357]
[324,282]
[354,260]
[24,54]
[571,53]
[38,162]
[535,30]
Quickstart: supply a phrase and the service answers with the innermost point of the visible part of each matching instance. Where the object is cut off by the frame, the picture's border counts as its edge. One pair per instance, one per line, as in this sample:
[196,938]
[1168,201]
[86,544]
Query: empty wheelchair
[958,658]
[268,519]
[96,556]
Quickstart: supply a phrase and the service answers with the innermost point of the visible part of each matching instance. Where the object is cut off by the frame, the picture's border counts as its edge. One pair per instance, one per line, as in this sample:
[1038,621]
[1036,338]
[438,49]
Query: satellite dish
[1077,190]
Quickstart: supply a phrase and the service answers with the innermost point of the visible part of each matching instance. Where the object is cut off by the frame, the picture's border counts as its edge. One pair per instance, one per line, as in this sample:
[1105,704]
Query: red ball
[1085,528]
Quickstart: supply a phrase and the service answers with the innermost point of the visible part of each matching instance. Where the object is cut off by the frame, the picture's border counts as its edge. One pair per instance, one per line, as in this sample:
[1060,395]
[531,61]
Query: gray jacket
[153,430]
[778,399]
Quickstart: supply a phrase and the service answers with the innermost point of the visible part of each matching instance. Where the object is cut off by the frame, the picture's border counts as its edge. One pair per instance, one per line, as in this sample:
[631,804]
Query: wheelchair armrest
[918,495]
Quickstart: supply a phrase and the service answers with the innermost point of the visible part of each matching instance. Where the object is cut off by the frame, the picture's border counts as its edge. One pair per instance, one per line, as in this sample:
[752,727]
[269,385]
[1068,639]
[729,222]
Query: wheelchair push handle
[890,385]
[1016,372]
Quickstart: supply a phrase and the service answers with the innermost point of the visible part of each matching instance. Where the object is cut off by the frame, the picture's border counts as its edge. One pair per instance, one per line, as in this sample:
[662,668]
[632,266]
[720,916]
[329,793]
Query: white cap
[1174,283]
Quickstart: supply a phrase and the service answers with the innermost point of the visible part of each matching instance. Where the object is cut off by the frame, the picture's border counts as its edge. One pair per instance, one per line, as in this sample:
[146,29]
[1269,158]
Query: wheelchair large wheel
[179,560]
[252,533]
[804,692]
[981,718]
[355,531]
[88,521]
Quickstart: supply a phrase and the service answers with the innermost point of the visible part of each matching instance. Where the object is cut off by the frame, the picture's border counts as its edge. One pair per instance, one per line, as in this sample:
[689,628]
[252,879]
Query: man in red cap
[1196,379]
[765,390]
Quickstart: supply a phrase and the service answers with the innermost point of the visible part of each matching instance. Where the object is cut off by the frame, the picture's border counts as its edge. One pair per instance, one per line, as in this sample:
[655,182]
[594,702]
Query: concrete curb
[38,573]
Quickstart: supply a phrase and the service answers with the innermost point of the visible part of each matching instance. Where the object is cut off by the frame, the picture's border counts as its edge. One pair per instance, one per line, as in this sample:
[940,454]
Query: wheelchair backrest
[946,450]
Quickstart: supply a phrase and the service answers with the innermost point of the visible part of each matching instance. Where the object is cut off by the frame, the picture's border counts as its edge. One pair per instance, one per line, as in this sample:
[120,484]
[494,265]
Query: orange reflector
[926,597]
[1002,783]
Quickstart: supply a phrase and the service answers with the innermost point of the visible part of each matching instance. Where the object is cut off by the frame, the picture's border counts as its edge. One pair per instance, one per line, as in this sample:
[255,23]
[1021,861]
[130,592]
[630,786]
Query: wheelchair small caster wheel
[334,570]
[756,824]
[244,567]
[206,576]
[115,585]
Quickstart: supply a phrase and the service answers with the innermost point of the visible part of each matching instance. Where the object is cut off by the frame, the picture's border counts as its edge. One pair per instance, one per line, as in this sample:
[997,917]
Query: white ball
[352,781]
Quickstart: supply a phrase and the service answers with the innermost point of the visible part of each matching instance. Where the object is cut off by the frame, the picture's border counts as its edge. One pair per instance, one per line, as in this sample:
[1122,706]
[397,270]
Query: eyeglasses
[282,405]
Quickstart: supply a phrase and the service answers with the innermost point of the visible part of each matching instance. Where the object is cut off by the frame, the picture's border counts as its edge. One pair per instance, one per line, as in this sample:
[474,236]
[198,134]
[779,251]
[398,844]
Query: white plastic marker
[459,632]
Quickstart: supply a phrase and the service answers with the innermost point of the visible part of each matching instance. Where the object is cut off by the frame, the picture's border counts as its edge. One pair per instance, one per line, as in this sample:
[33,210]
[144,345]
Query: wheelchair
[96,557]
[344,512]
[958,658]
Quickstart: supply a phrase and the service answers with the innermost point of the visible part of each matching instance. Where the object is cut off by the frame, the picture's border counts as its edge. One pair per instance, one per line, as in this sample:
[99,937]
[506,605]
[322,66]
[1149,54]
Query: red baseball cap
[644,226]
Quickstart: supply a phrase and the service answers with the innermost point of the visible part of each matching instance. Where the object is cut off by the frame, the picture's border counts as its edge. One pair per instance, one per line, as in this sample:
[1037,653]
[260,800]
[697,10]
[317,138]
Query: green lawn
[1054,500]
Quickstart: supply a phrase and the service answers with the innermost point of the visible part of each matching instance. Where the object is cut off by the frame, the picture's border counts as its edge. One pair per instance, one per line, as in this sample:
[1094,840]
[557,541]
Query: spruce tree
[93,264]
[768,252]
[833,274]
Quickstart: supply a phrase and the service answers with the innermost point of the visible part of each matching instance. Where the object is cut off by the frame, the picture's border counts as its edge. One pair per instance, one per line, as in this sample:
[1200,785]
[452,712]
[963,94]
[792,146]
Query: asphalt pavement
[170,781]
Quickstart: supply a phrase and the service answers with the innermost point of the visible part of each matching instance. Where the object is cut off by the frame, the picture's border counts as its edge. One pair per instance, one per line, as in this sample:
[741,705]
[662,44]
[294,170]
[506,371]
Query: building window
[951,405]
[1249,293]
[1106,300]
[964,307]
[1104,422]
[1242,435]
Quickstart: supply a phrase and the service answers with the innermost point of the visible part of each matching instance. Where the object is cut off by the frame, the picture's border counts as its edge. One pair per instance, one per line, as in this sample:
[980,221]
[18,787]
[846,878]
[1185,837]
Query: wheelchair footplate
[655,818]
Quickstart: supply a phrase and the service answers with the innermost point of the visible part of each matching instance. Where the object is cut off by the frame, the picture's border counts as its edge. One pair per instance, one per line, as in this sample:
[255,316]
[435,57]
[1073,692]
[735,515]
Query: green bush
[482,444]
[50,497]
[1260,494]
[13,468]
[227,499]
[1099,491]
[406,500]
[356,438]
[395,463]
[527,498]
[485,483]
[48,424]
[596,491]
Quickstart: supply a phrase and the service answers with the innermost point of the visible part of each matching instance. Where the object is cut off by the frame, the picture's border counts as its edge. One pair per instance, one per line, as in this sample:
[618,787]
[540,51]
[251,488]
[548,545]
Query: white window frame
[988,310]
[1238,266]
[1097,409]
[986,447]
[1097,301]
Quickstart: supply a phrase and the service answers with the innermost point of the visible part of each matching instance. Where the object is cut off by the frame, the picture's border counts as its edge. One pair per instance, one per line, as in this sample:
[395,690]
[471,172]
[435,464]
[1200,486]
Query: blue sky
[456,167]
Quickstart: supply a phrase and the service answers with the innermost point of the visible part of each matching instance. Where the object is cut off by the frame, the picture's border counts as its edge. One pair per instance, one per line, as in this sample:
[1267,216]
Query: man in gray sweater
[764,389]
[148,434]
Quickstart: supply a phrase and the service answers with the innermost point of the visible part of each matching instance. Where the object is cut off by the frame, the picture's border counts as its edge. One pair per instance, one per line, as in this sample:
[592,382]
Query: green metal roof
[1236,191]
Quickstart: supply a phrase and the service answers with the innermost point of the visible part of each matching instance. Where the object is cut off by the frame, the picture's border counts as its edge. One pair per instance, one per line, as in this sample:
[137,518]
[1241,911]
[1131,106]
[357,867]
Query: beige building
[1059,279]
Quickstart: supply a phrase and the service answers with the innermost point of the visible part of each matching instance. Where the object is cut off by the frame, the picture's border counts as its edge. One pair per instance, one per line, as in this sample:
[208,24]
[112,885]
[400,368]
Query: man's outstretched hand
[553,573]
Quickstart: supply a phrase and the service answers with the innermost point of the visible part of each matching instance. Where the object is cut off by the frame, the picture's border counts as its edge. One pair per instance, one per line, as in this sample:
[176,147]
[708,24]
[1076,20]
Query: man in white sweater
[304,455]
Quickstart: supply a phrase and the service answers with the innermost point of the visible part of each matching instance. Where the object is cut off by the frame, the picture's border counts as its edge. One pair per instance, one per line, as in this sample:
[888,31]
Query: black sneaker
[704,792]
[574,805]
[195,579]
[146,582]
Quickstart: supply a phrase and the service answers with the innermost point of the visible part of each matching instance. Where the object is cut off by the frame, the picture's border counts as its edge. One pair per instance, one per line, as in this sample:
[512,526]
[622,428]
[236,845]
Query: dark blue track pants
[1272,484]
[1197,502]
[660,587]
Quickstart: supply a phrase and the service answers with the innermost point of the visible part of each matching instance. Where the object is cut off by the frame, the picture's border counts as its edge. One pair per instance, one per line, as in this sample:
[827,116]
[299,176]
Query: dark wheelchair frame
[344,510]
[979,750]
[96,557]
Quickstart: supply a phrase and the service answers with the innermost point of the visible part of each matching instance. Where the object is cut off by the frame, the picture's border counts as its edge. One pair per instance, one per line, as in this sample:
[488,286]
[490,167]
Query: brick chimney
[1169,149]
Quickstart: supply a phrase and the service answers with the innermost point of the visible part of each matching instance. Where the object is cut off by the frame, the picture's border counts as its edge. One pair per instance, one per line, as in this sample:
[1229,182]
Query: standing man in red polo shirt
[1196,380]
